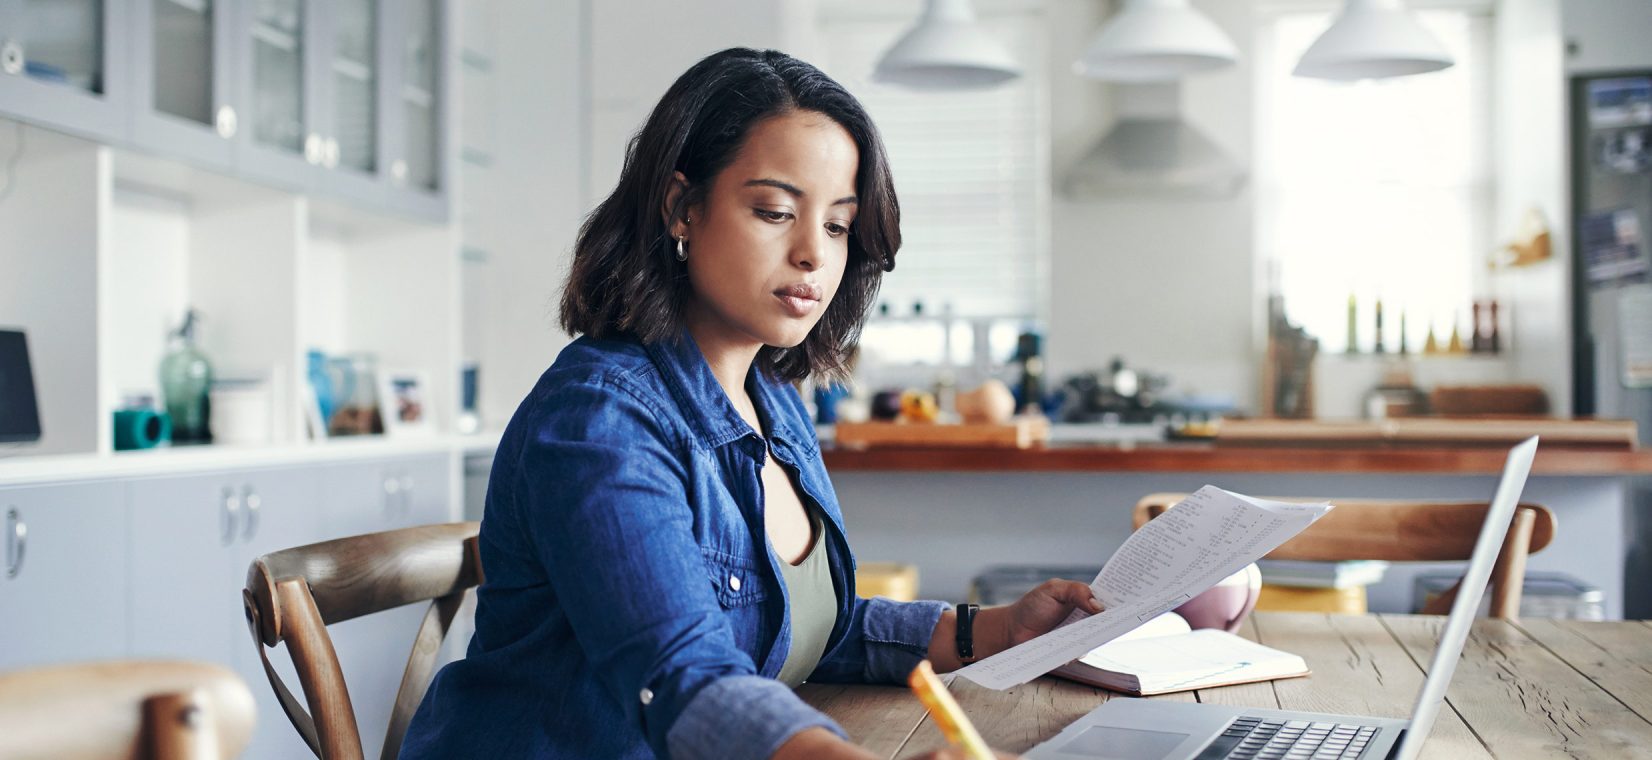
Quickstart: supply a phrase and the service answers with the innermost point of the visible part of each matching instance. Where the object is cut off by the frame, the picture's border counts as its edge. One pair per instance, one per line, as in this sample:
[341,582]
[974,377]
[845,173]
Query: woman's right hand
[816,743]
[958,753]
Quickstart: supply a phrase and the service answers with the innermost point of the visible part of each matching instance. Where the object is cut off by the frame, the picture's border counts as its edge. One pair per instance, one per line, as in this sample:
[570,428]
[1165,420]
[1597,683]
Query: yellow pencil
[945,711]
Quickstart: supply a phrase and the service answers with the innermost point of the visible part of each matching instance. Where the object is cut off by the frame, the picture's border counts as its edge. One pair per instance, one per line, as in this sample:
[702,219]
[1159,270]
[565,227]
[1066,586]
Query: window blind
[970,168]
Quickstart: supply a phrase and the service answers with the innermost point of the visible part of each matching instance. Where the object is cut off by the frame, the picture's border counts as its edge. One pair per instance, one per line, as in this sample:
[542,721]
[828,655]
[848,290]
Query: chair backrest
[124,710]
[294,594]
[1408,531]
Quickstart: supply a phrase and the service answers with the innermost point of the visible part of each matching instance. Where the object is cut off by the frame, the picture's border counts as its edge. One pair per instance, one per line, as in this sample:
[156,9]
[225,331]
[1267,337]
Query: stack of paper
[1304,574]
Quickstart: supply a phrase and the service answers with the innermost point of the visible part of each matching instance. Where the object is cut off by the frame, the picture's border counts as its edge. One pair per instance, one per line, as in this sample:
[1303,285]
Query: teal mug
[141,429]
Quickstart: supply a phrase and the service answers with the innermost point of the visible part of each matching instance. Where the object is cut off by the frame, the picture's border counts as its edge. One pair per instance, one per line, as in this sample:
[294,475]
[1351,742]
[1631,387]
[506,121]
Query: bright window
[1380,189]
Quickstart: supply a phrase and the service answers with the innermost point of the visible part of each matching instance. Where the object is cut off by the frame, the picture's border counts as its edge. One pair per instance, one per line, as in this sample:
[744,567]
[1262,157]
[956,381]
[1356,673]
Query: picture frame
[314,421]
[405,403]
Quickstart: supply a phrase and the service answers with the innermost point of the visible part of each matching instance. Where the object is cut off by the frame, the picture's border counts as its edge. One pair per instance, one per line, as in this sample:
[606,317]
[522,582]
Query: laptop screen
[1467,604]
[19,416]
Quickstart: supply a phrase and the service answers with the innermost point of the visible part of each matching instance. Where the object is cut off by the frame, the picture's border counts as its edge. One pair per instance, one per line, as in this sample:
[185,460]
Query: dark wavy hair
[625,278]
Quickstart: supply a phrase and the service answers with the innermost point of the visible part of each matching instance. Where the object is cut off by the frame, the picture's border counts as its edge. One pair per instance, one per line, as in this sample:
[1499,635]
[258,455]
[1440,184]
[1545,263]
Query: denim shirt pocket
[741,592]
[737,580]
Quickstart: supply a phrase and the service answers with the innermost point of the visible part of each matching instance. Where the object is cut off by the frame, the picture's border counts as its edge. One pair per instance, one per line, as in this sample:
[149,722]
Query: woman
[664,554]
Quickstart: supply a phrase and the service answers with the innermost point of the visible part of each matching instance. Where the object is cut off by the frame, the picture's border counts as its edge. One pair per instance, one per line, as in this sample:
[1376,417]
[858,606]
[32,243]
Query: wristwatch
[965,635]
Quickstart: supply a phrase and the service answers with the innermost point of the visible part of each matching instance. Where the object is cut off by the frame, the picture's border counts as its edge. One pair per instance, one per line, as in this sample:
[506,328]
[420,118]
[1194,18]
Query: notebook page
[1198,657]
[1205,538]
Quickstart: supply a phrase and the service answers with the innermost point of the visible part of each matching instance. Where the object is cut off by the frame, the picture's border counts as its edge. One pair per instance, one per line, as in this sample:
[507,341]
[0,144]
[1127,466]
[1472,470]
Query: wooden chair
[124,709]
[1408,531]
[294,594]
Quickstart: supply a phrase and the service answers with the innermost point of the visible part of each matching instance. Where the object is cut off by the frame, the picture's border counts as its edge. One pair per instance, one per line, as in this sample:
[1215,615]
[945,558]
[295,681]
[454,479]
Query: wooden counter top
[1206,457]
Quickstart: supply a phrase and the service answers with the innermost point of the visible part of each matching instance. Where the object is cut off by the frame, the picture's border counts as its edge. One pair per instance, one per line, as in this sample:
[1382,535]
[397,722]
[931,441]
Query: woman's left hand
[1043,608]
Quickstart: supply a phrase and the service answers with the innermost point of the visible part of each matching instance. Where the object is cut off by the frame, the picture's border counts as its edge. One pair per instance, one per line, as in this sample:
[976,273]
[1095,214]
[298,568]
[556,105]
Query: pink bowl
[1225,604]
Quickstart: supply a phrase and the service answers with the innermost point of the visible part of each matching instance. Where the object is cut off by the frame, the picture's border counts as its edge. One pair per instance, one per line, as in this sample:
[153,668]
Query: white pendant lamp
[947,50]
[1154,41]
[1373,39]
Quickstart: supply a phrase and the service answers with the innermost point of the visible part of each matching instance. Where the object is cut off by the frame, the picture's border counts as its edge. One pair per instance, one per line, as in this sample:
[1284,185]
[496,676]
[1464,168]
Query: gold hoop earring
[682,253]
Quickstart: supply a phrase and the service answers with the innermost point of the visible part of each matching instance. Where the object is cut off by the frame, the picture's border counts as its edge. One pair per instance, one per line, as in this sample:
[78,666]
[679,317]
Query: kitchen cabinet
[324,85]
[183,80]
[62,65]
[63,584]
[197,535]
[345,99]
[418,96]
[193,538]
[364,498]
[355,94]
[279,71]
[367,497]
[196,109]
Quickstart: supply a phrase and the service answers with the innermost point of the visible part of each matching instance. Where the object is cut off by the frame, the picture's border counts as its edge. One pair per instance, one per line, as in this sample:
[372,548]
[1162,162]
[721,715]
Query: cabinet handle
[407,494]
[11,57]
[229,515]
[313,148]
[252,501]
[17,535]
[226,122]
[392,493]
[329,153]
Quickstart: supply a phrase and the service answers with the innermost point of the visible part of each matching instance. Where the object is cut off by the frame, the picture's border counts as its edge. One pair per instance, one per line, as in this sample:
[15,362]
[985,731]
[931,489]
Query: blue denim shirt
[632,607]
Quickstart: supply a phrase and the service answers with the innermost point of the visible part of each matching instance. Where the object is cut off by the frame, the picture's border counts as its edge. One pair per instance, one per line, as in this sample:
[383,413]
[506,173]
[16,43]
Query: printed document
[1206,537]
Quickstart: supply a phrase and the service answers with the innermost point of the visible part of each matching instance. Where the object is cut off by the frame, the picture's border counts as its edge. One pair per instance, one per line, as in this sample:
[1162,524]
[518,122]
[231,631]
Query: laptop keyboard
[1253,738]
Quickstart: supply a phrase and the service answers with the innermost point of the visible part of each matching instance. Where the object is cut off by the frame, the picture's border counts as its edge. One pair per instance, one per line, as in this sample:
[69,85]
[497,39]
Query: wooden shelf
[1203,457]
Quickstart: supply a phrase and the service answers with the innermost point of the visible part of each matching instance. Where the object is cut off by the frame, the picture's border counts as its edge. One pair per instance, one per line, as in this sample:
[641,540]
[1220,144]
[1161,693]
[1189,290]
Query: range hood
[1151,152]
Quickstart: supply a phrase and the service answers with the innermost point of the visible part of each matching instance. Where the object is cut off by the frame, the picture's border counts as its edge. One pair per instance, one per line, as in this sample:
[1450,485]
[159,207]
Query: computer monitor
[19,414]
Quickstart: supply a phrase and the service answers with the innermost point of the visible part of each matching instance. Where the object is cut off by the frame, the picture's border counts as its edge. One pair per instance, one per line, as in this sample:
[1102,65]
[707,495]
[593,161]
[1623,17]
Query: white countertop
[17,467]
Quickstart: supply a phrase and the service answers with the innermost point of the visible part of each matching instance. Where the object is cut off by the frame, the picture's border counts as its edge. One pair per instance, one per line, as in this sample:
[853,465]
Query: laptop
[19,416]
[1142,729]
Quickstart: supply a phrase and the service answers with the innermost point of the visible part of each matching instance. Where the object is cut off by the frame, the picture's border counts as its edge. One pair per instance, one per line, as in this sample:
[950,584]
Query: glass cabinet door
[352,142]
[181,46]
[419,164]
[281,139]
[278,107]
[180,66]
[55,63]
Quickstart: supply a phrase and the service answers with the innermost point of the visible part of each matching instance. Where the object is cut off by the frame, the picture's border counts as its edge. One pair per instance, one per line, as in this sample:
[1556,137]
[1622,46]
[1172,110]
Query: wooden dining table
[1536,688]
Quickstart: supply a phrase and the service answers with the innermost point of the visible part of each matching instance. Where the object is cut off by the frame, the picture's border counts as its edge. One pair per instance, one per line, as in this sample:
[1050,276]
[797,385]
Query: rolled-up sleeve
[609,516]
[885,639]
[742,717]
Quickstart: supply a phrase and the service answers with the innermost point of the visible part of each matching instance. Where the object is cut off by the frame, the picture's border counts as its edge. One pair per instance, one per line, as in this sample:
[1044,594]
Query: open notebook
[1164,655]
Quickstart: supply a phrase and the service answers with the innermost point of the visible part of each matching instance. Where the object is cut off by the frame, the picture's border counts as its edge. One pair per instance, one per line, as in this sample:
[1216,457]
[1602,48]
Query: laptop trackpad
[1128,743]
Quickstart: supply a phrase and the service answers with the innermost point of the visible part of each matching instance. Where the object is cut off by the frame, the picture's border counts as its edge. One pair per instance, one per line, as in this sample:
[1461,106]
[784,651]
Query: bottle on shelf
[186,376]
[946,393]
[1493,340]
[1353,323]
[1404,348]
[1377,347]
[1030,389]
[1477,343]
[1431,345]
[1456,344]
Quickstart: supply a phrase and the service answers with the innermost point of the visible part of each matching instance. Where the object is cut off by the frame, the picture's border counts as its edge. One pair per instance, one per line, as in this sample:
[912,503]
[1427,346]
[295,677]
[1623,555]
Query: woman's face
[768,244]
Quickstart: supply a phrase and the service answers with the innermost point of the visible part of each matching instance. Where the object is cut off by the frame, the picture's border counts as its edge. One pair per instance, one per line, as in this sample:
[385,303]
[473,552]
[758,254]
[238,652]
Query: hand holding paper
[1203,539]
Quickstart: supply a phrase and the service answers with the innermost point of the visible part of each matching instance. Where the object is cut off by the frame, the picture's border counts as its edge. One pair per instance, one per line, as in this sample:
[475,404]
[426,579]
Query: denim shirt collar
[708,409]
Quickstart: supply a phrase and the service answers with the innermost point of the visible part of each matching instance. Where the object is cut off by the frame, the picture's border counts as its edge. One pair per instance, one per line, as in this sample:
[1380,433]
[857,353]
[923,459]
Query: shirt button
[734,582]
[647,696]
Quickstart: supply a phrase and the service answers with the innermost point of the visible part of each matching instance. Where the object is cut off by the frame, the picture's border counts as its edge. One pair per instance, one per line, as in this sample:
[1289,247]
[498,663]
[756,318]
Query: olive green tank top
[813,608]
